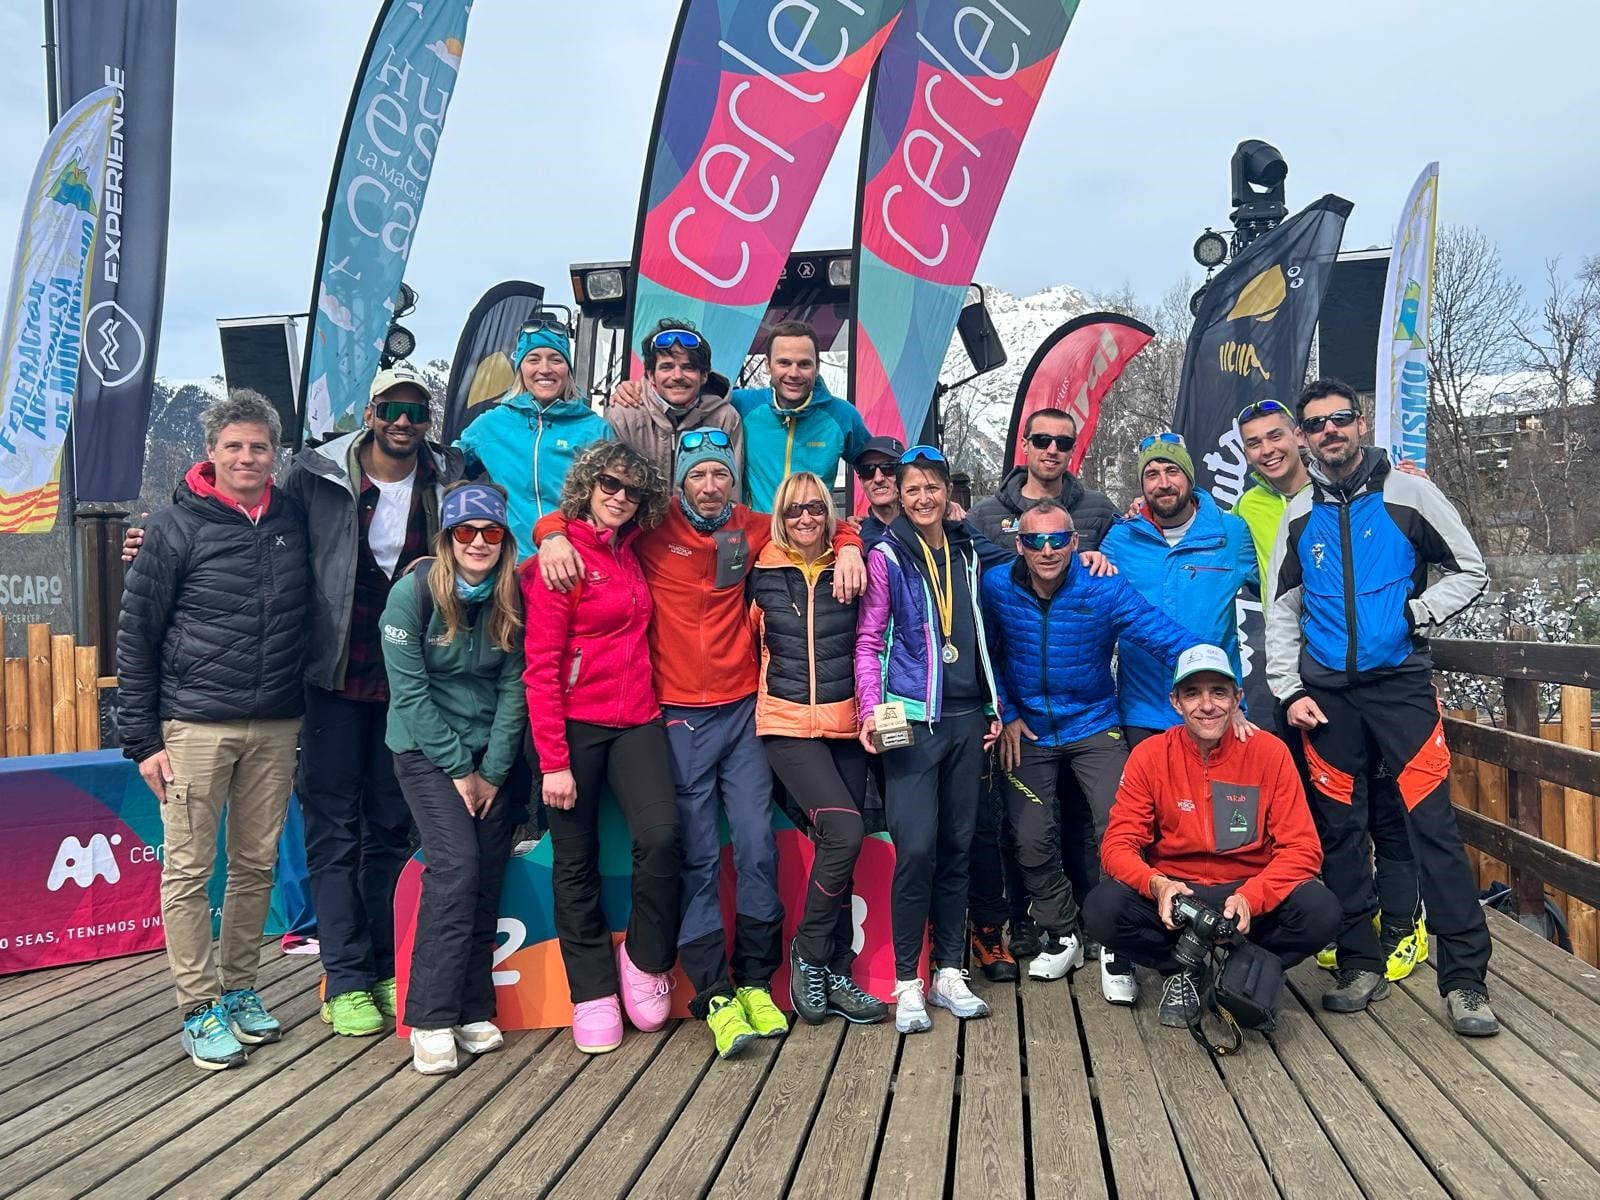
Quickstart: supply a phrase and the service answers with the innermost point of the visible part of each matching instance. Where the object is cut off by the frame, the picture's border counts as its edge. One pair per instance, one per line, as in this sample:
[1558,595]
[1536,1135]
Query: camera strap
[1234,1035]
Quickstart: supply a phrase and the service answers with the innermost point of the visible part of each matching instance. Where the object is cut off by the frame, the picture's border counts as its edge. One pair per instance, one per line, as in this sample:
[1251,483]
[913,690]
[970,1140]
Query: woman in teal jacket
[452,643]
[528,440]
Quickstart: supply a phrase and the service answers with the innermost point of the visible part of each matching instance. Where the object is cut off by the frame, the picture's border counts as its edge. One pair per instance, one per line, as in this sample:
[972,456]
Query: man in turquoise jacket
[526,442]
[1185,556]
[796,424]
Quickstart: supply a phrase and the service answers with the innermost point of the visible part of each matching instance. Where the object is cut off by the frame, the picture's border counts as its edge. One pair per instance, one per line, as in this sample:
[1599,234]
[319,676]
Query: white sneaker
[1117,989]
[433,1051]
[1058,956]
[950,991]
[910,1013]
[479,1037]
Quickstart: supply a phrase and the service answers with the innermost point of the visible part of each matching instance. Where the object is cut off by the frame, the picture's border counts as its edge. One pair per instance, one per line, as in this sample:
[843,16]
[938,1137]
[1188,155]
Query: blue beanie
[472,502]
[705,452]
[542,338]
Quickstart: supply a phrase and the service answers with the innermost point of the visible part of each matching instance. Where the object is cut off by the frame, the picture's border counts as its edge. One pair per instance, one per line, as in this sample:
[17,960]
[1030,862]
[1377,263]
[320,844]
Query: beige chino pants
[247,767]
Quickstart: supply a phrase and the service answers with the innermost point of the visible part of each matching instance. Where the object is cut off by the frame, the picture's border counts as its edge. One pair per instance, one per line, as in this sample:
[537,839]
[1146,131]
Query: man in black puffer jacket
[210,658]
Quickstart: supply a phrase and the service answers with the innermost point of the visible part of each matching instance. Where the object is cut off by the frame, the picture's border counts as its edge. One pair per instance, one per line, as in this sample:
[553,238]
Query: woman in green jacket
[452,642]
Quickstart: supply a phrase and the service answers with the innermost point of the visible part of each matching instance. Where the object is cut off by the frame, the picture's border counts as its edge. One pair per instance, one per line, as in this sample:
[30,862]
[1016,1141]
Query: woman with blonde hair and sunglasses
[452,643]
[806,719]
[596,722]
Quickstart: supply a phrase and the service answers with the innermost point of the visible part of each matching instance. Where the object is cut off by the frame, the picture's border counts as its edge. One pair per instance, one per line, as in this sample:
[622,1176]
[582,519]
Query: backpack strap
[424,592]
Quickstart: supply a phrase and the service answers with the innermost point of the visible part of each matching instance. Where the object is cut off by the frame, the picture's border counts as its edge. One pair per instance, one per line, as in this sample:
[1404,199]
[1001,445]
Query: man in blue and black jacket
[1349,612]
[1052,627]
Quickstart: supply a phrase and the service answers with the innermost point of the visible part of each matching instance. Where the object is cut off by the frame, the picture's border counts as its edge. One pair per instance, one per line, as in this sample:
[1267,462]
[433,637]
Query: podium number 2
[516,935]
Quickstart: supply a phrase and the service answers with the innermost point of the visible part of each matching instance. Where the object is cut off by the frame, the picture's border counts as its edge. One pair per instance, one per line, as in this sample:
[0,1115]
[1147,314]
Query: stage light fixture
[603,285]
[1210,249]
[398,344]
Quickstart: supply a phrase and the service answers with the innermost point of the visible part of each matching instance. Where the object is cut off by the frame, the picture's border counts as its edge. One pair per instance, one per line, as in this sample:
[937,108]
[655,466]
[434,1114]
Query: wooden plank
[1377,1154]
[454,1169]
[838,1155]
[1065,1140]
[1553,995]
[535,1162]
[1522,791]
[1492,804]
[1570,766]
[989,1130]
[1578,818]
[86,676]
[915,1145]
[16,670]
[1553,816]
[1462,1157]
[1509,935]
[1144,1151]
[1557,1042]
[63,694]
[1216,1145]
[40,987]
[130,1000]
[1539,860]
[774,1135]
[448,1103]
[40,730]
[626,1144]
[1546,662]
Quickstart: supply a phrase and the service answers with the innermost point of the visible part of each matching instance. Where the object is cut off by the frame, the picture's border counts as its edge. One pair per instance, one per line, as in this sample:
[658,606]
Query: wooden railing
[51,698]
[1525,791]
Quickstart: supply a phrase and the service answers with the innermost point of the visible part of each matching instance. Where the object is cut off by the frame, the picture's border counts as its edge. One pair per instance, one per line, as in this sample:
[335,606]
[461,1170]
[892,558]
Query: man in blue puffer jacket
[1051,627]
[1188,558]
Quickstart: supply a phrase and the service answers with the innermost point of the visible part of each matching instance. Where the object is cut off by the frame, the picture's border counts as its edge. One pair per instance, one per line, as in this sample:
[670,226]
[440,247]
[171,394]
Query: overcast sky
[1127,159]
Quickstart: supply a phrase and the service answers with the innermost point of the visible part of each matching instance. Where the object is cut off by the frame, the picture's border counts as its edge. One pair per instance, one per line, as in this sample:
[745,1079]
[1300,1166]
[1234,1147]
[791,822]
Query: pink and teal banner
[755,96]
[951,99]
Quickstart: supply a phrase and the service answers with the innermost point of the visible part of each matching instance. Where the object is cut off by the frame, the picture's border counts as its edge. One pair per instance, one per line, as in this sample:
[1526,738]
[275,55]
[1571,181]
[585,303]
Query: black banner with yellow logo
[1252,337]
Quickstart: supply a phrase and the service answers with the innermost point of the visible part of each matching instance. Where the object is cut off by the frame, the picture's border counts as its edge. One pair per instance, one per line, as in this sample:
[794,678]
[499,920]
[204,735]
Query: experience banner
[380,178]
[1072,370]
[949,104]
[1400,421]
[755,96]
[42,340]
[127,45]
[481,371]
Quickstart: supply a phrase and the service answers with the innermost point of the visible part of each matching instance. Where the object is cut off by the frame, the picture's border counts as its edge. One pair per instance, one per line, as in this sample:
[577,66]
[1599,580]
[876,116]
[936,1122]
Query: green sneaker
[765,1017]
[352,1014]
[383,996]
[732,1032]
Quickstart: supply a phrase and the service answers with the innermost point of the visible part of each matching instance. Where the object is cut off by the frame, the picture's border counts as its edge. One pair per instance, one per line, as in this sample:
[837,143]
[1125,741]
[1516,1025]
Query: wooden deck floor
[1056,1095]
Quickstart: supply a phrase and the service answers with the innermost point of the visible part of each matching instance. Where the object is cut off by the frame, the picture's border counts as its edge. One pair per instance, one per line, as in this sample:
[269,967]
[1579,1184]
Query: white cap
[396,377]
[1198,659]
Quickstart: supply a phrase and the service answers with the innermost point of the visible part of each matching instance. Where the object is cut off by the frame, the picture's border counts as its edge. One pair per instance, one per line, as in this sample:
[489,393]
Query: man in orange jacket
[1200,813]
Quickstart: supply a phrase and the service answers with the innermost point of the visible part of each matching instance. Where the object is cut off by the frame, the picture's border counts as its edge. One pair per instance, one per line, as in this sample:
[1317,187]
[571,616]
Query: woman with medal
[920,644]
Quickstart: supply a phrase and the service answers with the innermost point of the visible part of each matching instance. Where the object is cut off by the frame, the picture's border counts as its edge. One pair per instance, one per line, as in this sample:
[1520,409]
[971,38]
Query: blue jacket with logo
[1054,656]
[527,450]
[1194,583]
[1348,593]
[779,441]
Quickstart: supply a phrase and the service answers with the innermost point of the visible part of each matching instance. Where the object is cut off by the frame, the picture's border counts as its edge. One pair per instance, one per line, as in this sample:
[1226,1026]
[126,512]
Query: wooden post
[39,716]
[63,694]
[1464,789]
[86,669]
[1582,921]
[1553,813]
[1522,791]
[16,707]
[1492,803]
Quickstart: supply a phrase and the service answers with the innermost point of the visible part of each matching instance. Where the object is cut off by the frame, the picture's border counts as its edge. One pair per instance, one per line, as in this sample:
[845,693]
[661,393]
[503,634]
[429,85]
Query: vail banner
[481,371]
[42,341]
[1072,370]
[380,178]
[127,45]
[1251,339]
[950,102]
[1401,418]
[755,96]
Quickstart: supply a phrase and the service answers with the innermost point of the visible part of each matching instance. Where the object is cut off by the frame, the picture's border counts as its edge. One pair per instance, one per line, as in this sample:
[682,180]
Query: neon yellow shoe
[1411,950]
[729,1027]
[765,1017]
[352,1014]
[383,995]
[1328,957]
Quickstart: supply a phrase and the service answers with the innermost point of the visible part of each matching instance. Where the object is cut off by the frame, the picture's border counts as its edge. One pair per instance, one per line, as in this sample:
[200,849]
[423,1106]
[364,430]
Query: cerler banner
[755,96]
[127,45]
[954,92]
[380,178]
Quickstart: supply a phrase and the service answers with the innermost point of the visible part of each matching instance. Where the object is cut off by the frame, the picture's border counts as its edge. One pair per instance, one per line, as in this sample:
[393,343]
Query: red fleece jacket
[1173,811]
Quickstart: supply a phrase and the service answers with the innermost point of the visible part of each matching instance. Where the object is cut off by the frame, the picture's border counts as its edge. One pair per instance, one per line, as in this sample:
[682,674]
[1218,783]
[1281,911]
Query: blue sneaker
[249,1019]
[208,1041]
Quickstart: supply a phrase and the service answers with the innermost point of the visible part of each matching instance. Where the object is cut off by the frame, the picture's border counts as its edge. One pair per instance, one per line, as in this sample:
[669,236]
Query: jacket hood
[820,397]
[904,534]
[1207,519]
[200,485]
[773,555]
[695,416]
[1370,473]
[1010,490]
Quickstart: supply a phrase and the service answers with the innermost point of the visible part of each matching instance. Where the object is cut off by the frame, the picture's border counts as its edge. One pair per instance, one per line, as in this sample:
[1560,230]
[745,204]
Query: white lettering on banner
[33,590]
[111,222]
[83,864]
[1230,475]
[1106,352]
[516,935]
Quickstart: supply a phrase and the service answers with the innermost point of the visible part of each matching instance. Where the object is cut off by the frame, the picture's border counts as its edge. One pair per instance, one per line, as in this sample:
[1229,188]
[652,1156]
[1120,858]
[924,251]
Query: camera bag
[1249,984]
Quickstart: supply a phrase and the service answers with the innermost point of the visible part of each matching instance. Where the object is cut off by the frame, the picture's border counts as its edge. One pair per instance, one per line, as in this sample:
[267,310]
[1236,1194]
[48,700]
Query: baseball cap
[394,377]
[890,448]
[1197,660]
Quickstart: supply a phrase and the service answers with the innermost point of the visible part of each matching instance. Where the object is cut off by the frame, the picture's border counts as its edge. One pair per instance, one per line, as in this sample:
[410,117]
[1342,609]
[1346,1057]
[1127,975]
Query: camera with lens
[1204,928]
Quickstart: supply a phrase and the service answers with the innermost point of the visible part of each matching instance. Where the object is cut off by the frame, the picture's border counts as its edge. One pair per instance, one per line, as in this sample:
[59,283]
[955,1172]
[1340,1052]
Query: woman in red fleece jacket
[595,720]
[1200,813]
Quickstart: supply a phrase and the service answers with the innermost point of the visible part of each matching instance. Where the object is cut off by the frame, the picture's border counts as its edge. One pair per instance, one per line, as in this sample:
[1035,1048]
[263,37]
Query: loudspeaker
[1347,330]
[263,354]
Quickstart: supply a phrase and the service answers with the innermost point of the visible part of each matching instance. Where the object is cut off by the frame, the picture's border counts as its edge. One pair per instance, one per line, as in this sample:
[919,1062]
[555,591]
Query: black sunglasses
[869,471]
[611,485]
[393,410]
[1342,418]
[1042,441]
[816,508]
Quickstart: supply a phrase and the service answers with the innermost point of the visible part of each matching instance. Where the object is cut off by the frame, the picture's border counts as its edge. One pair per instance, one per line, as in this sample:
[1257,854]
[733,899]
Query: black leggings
[633,761]
[828,779]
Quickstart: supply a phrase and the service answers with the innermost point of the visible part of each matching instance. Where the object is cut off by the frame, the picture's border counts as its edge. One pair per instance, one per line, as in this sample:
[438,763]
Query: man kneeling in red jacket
[1200,813]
